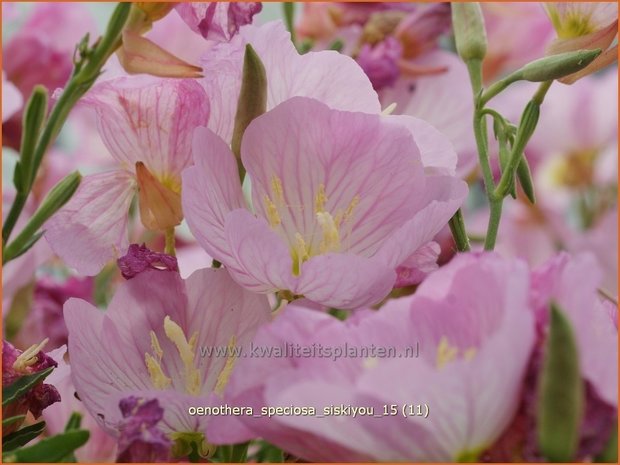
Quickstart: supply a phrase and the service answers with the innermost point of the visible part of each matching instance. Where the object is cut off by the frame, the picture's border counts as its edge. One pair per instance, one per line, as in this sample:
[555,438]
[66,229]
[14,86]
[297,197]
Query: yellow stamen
[276,188]
[157,350]
[348,214]
[158,378]
[389,109]
[29,356]
[272,212]
[331,236]
[469,354]
[445,352]
[224,375]
[186,353]
[320,199]
[299,253]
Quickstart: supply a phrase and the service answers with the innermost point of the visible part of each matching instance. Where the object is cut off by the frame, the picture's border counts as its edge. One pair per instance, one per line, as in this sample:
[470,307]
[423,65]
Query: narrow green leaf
[252,100]
[11,420]
[74,422]
[289,18]
[22,437]
[23,385]
[560,392]
[34,117]
[52,449]
[28,245]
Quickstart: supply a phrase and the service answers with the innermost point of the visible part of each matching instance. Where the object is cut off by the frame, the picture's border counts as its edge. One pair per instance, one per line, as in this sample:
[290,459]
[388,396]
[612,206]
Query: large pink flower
[147,126]
[149,344]
[475,334]
[340,200]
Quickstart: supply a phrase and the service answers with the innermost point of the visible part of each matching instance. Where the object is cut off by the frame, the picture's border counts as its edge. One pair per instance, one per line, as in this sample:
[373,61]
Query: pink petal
[211,189]
[443,196]
[345,280]
[327,76]
[262,262]
[91,229]
[12,99]
[150,120]
[422,262]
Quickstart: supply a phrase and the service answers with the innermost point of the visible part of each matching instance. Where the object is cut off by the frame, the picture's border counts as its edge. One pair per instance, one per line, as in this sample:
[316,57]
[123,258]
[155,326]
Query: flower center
[447,353]
[28,357]
[325,235]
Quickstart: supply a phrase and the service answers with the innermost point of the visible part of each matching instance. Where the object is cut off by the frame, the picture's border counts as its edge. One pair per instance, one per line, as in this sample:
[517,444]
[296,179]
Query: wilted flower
[17,363]
[218,20]
[335,233]
[147,125]
[139,258]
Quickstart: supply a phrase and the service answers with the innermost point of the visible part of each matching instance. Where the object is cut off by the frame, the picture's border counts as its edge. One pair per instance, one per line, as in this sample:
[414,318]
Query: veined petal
[211,190]
[91,229]
[150,120]
[363,175]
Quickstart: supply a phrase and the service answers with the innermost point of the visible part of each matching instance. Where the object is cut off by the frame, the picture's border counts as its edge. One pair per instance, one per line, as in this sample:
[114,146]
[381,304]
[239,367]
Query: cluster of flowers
[255,186]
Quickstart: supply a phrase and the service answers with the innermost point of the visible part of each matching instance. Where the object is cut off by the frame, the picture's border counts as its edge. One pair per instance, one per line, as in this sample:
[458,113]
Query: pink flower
[328,76]
[146,124]
[101,447]
[475,336]
[139,258]
[380,63]
[340,200]
[218,20]
[12,99]
[442,100]
[45,320]
[155,351]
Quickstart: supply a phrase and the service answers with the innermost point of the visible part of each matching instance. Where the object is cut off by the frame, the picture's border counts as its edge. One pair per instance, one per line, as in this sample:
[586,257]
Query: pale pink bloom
[155,350]
[340,200]
[328,76]
[146,124]
[573,283]
[101,447]
[380,63]
[507,50]
[12,99]
[475,335]
[443,100]
[218,20]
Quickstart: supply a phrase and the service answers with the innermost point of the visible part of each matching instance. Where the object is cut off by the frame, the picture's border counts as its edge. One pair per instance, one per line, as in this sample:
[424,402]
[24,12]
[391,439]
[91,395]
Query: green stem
[457,227]
[495,216]
[169,238]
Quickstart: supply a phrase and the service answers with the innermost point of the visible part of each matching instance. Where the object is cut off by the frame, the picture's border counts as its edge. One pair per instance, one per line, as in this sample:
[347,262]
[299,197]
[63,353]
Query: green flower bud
[557,66]
[469,31]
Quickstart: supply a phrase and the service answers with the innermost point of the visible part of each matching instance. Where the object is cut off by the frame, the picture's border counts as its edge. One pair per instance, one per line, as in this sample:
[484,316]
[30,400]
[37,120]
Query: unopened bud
[469,31]
[557,66]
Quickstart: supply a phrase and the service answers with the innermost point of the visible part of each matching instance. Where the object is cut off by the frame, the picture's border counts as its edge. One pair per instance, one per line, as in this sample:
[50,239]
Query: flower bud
[160,206]
[557,66]
[469,31]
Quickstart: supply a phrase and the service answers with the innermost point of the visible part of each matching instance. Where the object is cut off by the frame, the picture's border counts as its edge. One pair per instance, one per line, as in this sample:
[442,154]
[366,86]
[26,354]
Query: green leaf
[28,244]
[74,422]
[34,117]
[525,179]
[52,449]
[9,421]
[23,385]
[289,18]
[560,392]
[252,100]
[22,437]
